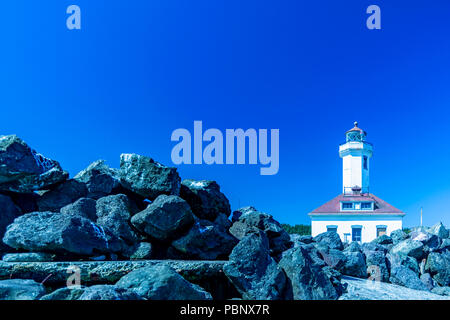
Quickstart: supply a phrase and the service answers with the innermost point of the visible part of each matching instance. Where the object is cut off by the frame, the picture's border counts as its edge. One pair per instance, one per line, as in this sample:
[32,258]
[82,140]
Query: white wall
[344,223]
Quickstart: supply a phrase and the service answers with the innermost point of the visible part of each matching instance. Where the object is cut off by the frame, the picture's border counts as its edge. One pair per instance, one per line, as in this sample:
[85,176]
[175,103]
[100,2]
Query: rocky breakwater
[139,232]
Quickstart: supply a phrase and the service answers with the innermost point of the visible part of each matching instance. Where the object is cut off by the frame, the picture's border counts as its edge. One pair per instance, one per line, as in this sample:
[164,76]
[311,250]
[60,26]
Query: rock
[140,251]
[252,270]
[355,264]
[383,240]
[445,245]
[353,247]
[161,283]
[147,177]
[361,289]
[62,195]
[18,289]
[439,230]
[398,236]
[438,265]
[247,220]
[371,246]
[331,239]
[205,240]
[8,212]
[223,222]
[428,281]
[333,258]
[100,179]
[24,170]
[431,242]
[335,278]
[108,292]
[205,198]
[67,293]
[26,202]
[306,239]
[307,280]
[442,291]
[56,232]
[412,248]
[28,257]
[83,207]
[404,276]
[396,260]
[377,266]
[114,213]
[165,218]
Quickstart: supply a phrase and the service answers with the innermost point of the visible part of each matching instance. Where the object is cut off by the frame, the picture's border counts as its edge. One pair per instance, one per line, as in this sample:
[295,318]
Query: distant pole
[421,216]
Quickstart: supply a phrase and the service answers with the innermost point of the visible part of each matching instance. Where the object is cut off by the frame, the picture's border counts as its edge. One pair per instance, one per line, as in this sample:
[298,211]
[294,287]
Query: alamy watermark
[235,151]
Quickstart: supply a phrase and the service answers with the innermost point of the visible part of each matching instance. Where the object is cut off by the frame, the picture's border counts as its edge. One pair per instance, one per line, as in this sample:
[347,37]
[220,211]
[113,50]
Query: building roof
[356,128]
[333,206]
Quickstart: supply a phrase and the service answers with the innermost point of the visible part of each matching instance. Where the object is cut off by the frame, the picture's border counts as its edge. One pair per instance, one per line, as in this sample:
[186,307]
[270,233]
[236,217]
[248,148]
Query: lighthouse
[356,214]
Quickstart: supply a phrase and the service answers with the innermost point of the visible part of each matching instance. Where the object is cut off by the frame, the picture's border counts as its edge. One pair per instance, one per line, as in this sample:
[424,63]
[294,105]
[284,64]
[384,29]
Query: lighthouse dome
[355,134]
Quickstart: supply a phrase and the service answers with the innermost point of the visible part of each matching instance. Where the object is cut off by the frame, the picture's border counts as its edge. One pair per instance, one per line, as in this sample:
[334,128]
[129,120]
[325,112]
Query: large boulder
[439,230]
[83,207]
[67,293]
[353,247]
[108,292]
[8,212]
[396,260]
[24,170]
[100,179]
[65,193]
[430,241]
[404,276]
[205,240]
[160,282]
[330,239]
[28,257]
[306,280]
[205,198]
[355,264]
[18,289]
[409,247]
[398,236]
[252,270]
[248,220]
[139,251]
[333,258]
[148,178]
[114,213]
[165,218]
[377,265]
[438,265]
[60,233]
[383,240]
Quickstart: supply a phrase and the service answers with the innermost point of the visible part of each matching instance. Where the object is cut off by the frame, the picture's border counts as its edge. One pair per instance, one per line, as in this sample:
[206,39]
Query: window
[346,237]
[347,205]
[331,228]
[366,205]
[356,234]
[365,162]
[381,230]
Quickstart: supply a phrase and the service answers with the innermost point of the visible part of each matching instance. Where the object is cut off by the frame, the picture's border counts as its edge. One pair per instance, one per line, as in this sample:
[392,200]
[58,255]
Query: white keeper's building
[356,214]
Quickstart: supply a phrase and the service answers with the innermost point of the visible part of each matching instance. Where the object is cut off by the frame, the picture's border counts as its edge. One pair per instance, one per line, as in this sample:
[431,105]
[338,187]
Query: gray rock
[140,251]
[353,247]
[56,232]
[223,222]
[371,246]
[307,280]
[28,257]
[383,240]
[253,272]
[108,292]
[62,195]
[67,293]
[335,279]
[205,240]
[442,291]
[148,178]
[165,218]
[412,248]
[438,265]
[333,258]
[377,266]
[248,220]
[8,212]
[83,207]
[404,276]
[18,289]
[330,239]
[355,264]
[428,281]
[100,179]
[161,283]
[114,213]
[205,198]
[430,241]
[24,170]
[306,239]
[26,202]
[396,260]
[398,236]
[439,230]
[445,245]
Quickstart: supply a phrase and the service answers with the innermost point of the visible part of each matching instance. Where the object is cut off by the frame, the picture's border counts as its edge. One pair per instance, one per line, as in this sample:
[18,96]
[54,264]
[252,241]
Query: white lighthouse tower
[355,154]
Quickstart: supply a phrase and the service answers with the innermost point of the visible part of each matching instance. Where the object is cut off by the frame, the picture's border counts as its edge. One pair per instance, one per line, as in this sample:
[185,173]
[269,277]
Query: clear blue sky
[140,69]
